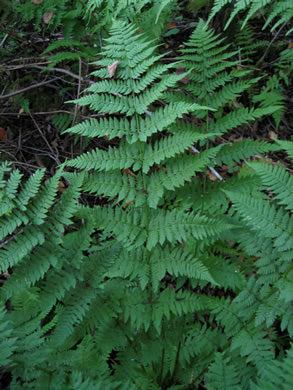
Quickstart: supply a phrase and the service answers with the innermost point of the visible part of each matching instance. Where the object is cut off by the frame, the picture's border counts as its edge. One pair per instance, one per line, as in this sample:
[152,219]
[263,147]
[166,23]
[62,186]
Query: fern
[7,342]
[282,9]
[215,82]
[162,279]
[150,158]
[223,374]
[276,374]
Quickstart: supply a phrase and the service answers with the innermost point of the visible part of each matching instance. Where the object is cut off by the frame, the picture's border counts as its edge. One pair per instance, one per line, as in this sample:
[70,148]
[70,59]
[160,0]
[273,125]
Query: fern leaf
[178,226]
[178,263]
[288,146]
[277,180]
[264,217]
[114,184]
[7,343]
[222,374]
[229,154]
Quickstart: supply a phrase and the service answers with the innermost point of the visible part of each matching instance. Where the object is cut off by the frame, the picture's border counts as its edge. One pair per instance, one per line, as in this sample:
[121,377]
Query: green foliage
[140,272]
[214,80]
[277,375]
[282,10]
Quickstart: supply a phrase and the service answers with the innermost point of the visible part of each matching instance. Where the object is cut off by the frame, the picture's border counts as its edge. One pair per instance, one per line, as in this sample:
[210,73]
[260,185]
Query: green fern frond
[180,226]
[244,149]
[288,146]
[178,172]
[265,219]
[215,81]
[64,56]
[283,10]
[254,344]
[178,263]
[112,184]
[62,121]
[277,374]
[222,374]
[277,180]
[134,130]
[7,342]
[218,5]
[282,7]
[241,116]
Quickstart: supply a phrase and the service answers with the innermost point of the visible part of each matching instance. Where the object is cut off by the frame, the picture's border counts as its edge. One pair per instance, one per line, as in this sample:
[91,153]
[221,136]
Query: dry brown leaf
[48,16]
[211,176]
[36,1]
[3,135]
[129,172]
[273,135]
[61,186]
[39,161]
[54,143]
[171,25]
[112,68]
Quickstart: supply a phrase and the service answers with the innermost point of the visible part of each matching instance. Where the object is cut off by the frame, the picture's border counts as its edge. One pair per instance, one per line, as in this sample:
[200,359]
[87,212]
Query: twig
[60,70]
[270,44]
[24,164]
[51,113]
[214,172]
[4,39]
[44,138]
[28,88]
[78,93]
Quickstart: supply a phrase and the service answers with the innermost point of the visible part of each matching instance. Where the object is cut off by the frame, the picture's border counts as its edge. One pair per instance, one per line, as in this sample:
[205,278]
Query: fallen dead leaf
[171,25]
[112,68]
[3,135]
[36,1]
[211,176]
[129,172]
[48,16]
[54,143]
[273,135]
[61,186]
[39,161]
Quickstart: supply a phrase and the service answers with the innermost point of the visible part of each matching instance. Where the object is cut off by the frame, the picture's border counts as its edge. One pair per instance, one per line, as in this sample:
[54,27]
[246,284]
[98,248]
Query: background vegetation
[146,194]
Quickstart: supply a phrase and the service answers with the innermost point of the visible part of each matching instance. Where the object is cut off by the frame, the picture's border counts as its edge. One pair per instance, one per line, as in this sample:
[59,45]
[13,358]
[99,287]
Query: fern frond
[134,130]
[179,226]
[277,374]
[277,180]
[229,154]
[178,263]
[222,374]
[241,116]
[7,342]
[253,6]
[288,146]
[266,219]
[254,344]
